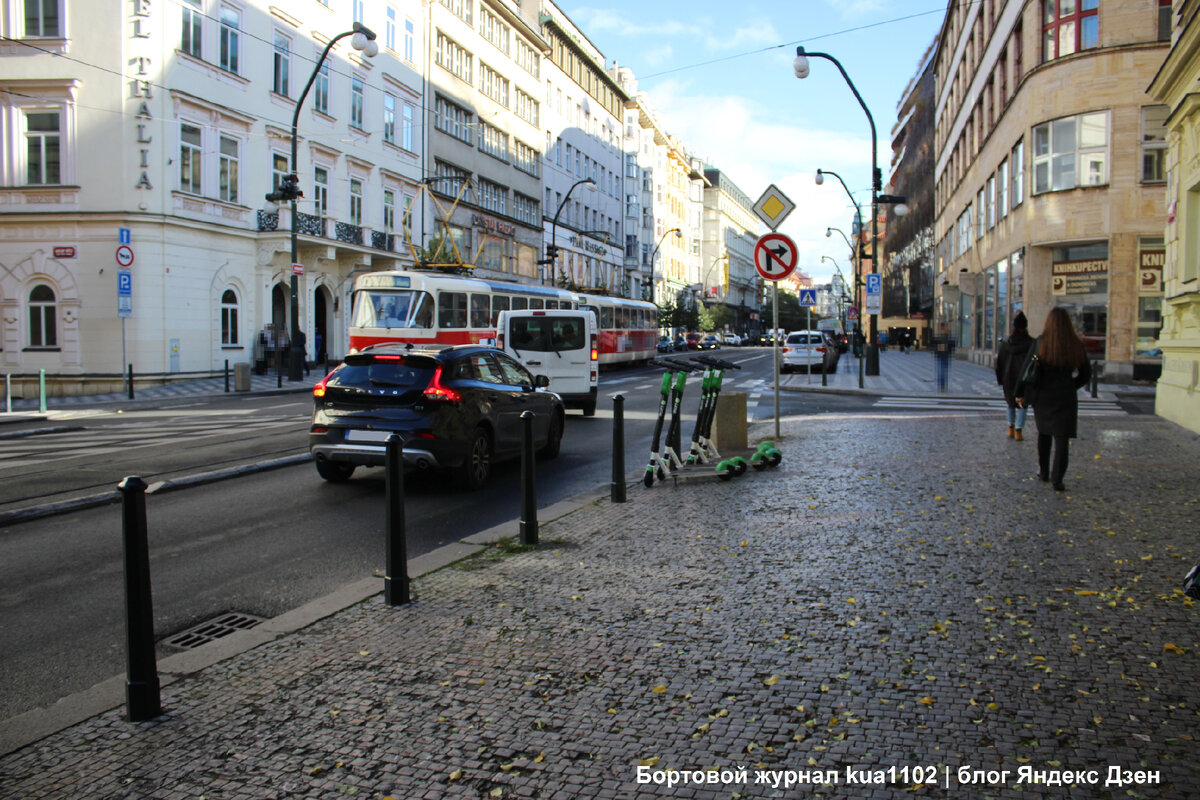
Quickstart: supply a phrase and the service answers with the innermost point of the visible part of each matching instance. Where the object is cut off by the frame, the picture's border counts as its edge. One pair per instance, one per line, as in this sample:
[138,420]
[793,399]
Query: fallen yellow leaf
[926,701]
[771,681]
[649,762]
[659,689]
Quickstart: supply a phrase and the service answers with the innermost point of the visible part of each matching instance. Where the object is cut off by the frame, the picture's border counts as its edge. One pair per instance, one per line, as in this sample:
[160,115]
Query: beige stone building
[1050,177]
[1177,397]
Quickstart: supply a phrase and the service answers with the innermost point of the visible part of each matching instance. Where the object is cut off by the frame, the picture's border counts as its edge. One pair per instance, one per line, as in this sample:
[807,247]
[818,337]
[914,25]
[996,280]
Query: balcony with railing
[381,240]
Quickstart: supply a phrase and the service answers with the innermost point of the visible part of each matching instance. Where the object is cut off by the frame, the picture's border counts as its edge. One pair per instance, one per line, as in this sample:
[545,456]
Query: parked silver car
[808,351]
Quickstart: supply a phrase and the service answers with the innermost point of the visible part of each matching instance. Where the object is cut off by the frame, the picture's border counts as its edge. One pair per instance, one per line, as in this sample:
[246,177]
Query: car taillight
[595,348]
[821,349]
[319,429]
[786,350]
[319,388]
[436,391]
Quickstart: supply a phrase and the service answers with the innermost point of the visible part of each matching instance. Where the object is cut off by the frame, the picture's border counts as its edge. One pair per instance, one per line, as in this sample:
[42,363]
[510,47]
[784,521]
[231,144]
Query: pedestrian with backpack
[1009,361]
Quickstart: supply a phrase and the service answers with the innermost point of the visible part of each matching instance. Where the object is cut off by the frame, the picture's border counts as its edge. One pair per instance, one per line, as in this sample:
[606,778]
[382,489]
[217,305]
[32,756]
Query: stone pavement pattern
[909,595]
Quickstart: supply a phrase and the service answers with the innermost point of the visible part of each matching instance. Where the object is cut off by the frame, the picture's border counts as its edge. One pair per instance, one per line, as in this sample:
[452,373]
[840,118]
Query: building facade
[583,113]
[730,231]
[1178,392]
[133,229]
[1049,173]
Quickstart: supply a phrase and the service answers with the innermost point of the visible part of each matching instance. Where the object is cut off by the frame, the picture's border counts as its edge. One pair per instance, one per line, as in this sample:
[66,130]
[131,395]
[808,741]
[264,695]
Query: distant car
[693,341]
[680,344]
[665,345]
[710,342]
[455,408]
[733,340]
[809,351]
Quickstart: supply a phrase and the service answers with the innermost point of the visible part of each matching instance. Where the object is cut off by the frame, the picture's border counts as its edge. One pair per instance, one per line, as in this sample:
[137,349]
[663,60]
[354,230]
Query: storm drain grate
[211,630]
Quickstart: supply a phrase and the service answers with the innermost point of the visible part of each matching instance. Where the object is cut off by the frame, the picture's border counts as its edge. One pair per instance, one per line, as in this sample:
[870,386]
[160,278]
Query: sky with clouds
[719,75]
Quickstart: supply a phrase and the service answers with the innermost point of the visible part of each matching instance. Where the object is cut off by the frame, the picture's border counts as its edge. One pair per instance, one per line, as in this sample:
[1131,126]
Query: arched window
[43,313]
[229,318]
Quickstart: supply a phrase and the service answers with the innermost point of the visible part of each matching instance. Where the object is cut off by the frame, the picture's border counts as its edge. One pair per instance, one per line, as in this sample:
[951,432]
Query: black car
[456,408]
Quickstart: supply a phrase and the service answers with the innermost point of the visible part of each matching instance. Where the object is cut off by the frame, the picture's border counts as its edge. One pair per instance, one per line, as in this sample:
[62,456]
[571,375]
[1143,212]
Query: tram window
[480,310]
[536,302]
[452,309]
[422,315]
[606,318]
[519,304]
[499,303]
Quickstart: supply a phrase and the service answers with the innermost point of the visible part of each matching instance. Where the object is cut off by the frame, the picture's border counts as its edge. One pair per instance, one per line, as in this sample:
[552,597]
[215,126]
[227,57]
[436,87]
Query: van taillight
[436,391]
[595,349]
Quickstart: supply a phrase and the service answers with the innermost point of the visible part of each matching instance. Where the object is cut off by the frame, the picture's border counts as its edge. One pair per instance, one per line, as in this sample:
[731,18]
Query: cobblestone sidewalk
[896,594]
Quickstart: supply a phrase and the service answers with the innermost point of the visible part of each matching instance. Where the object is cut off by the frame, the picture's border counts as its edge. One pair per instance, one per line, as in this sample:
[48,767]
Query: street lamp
[723,257]
[654,256]
[843,295]
[800,65]
[552,248]
[363,39]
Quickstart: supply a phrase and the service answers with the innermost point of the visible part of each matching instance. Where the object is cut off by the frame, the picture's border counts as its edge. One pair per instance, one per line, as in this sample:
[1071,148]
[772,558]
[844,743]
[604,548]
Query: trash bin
[241,377]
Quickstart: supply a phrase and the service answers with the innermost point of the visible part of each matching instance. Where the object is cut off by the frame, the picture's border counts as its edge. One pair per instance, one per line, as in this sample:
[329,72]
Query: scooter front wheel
[648,479]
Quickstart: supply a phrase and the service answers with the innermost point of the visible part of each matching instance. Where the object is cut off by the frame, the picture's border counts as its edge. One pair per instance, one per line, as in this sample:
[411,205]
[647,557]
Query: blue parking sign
[124,284]
[874,283]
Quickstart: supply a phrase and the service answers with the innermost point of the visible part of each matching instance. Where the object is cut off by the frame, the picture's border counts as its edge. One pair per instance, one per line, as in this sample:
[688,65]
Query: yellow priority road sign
[773,207]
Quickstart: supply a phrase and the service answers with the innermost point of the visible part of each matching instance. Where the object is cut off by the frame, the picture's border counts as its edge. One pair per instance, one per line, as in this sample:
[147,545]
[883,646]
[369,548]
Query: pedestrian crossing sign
[808,297]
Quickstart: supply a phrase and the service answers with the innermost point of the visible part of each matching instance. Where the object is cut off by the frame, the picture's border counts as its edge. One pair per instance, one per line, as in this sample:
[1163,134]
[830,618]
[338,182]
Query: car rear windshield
[382,374]
[803,338]
[547,334]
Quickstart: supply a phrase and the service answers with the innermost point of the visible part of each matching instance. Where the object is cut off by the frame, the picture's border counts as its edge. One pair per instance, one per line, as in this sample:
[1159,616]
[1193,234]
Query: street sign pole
[808,347]
[775,347]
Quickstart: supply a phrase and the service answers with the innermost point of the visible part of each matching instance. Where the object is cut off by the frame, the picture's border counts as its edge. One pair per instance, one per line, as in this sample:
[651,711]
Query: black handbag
[1031,375]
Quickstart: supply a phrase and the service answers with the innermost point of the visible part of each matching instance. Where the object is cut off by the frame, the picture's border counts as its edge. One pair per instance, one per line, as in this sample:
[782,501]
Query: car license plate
[378,437]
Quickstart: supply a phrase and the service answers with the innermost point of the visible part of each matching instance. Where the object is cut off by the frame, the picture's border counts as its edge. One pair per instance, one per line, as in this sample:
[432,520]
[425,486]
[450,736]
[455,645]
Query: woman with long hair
[1063,370]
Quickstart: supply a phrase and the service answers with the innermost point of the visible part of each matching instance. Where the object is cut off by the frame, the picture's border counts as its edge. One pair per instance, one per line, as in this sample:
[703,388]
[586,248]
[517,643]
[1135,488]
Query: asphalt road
[260,544]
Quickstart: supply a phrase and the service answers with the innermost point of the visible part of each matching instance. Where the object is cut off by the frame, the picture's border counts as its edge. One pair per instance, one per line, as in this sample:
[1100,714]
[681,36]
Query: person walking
[943,350]
[1009,361]
[1063,369]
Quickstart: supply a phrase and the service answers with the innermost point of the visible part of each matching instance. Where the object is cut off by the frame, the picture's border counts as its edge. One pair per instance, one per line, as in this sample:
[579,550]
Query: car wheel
[554,437]
[333,472]
[477,466]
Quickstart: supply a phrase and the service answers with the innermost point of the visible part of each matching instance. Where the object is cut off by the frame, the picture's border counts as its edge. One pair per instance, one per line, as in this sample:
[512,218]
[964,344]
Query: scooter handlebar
[719,363]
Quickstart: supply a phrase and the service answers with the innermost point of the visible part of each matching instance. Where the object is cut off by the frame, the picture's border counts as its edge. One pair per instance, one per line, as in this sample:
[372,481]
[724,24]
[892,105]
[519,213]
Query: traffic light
[551,251]
[289,189]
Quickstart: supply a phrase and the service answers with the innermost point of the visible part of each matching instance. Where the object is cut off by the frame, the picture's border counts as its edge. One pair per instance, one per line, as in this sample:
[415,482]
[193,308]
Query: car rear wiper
[380,382]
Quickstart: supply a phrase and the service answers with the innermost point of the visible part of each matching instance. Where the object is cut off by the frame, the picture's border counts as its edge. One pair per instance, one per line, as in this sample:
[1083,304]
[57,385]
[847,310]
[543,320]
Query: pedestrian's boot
[1017,435]
[1010,431]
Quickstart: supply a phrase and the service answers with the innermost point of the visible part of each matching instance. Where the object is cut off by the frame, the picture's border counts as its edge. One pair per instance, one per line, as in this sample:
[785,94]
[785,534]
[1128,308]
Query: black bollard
[142,701]
[618,457]
[395,581]
[1095,378]
[131,381]
[529,521]
[227,376]
[825,371]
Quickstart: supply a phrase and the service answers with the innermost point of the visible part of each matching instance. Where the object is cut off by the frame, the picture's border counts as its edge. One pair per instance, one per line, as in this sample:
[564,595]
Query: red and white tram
[435,308]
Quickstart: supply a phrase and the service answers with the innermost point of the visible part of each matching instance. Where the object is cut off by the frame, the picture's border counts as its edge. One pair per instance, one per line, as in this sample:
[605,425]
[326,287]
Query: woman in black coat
[1063,371]
[1009,361]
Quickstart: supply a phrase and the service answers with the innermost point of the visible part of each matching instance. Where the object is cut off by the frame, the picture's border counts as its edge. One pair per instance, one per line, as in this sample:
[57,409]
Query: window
[493,141]
[190,37]
[231,22]
[1164,20]
[493,30]
[389,34]
[980,215]
[227,177]
[1069,26]
[528,159]
[1070,152]
[492,84]
[42,19]
[1002,190]
[43,316]
[452,119]
[355,201]
[460,8]
[43,147]
[527,108]
[409,34]
[320,192]
[389,118]
[283,62]
[321,88]
[356,102]
[229,318]
[279,168]
[190,158]
[389,210]
[451,56]
[1154,144]
[990,201]
[1017,167]
[526,209]
[453,179]
[493,196]
[528,59]
[406,126]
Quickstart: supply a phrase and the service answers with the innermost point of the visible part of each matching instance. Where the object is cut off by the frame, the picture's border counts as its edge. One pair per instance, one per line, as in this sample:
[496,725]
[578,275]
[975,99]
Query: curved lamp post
[289,189]
[722,257]
[552,248]
[843,277]
[801,67]
[654,256]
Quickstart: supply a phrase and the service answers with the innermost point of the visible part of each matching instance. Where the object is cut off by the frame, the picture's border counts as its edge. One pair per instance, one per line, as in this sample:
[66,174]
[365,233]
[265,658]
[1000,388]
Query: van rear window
[546,334]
